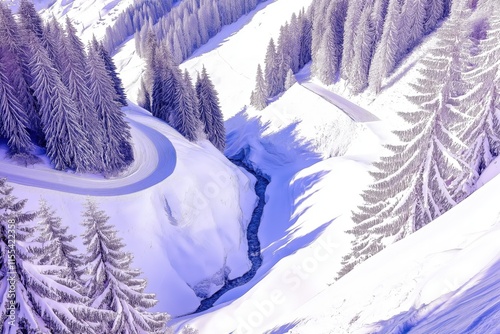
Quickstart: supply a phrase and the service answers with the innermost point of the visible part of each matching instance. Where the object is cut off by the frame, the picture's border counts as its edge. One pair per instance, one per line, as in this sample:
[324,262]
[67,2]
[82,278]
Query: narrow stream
[252,236]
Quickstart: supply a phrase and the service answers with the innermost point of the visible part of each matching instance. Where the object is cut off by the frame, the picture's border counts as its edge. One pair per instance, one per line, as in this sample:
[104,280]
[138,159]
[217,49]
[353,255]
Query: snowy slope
[183,204]
[89,17]
[296,141]
[442,279]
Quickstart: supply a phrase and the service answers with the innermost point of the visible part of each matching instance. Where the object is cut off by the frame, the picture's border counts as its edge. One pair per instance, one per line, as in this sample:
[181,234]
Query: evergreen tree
[327,60]
[354,9]
[41,299]
[386,54]
[290,79]
[166,83]
[258,98]
[53,41]
[13,119]
[30,19]
[74,76]
[144,97]
[66,142]
[305,39]
[272,71]
[121,97]
[209,111]
[57,244]
[426,175]
[184,117]
[482,102]
[15,55]
[112,285]
[117,152]
[435,10]
[412,19]
[362,55]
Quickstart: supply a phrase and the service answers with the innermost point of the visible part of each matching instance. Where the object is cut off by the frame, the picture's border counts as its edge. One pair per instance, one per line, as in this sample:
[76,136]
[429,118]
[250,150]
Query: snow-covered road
[155,160]
[355,112]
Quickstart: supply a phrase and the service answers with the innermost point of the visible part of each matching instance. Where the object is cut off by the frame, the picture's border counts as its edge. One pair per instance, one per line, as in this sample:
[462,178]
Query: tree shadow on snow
[474,310]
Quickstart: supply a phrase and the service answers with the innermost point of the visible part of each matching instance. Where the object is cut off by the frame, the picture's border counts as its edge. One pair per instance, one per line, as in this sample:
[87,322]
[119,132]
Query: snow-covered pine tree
[184,117]
[284,54]
[121,97]
[74,76]
[42,299]
[386,54]
[15,54]
[53,41]
[305,34]
[13,119]
[290,79]
[271,72]
[354,9]
[209,111]
[327,59]
[435,10]
[259,95]
[30,19]
[364,41]
[112,285]
[166,82]
[144,97]
[425,176]
[378,17]
[413,17]
[482,101]
[66,143]
[58,246]
[117,150]
[193,96]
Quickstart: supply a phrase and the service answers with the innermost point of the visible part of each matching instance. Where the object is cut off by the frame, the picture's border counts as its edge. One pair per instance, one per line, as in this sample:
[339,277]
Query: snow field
[198,214]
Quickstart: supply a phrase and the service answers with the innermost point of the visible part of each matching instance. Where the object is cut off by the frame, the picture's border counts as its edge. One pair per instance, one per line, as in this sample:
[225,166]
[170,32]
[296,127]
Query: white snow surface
[318,160]
[182,209]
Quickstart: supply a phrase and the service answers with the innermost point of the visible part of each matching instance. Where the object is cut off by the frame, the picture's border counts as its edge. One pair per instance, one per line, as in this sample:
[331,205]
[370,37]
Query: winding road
[155,160]
[355,112]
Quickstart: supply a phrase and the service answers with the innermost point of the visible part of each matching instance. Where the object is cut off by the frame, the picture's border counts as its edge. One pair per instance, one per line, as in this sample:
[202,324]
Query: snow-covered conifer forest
[249,166]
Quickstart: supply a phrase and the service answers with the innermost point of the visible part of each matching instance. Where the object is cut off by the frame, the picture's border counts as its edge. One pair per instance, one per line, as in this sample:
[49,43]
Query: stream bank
[254,254]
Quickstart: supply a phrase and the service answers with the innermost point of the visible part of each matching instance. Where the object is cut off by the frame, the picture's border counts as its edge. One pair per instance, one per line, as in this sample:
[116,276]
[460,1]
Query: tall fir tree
[364,43]
[184,117]
[210,112]
[41,299]
[112,285]
[117,151]
[121,97]
[330,37]
[272,71]
[66,142]
[15,54]
[426,174]
[259,96]
[386,54]
[58,245]
[482,101]
[13,119]
[74,76]
[30,19]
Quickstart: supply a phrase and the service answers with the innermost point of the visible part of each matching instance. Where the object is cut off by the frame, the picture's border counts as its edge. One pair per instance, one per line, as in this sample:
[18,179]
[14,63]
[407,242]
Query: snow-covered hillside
[179,202]
[443,279]
[183,208]
[89,17]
